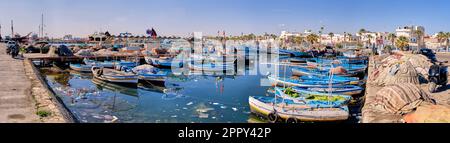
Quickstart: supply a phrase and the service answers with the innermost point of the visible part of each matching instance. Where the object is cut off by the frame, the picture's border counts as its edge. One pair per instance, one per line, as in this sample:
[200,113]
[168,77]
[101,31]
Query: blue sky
[180,17]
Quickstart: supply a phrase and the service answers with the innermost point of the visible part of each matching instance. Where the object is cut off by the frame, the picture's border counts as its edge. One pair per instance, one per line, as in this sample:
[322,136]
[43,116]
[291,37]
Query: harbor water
[194,98]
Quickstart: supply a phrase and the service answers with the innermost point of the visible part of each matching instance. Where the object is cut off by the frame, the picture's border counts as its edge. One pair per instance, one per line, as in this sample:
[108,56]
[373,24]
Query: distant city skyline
[181,17]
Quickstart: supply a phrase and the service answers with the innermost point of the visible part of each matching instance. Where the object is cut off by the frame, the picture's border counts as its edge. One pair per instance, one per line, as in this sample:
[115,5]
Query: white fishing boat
[114,76]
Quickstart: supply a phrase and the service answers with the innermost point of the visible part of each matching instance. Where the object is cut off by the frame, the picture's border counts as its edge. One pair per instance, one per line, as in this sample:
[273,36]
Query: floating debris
[203,115]
[223,107]
[234,109]
[190,103]
[204,110]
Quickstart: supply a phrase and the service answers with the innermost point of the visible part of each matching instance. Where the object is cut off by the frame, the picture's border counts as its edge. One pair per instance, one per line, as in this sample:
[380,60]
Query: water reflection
[216,98]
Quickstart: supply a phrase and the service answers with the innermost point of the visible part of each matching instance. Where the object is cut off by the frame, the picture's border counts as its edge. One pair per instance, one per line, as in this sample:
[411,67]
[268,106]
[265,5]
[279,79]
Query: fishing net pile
[105,52]
[52,51]
[399,68]
[84,52]
[75,49]
[392,102]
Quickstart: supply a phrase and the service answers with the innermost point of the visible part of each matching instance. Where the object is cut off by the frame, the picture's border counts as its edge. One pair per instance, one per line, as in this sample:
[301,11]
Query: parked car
[430,54]
[10,43]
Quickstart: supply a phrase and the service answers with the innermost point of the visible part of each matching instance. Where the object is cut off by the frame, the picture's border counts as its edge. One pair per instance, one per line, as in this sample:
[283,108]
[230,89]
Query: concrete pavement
[16,103]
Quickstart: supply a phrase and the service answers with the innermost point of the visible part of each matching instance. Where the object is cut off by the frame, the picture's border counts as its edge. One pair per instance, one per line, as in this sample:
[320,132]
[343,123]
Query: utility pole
[42,26]
[12,29]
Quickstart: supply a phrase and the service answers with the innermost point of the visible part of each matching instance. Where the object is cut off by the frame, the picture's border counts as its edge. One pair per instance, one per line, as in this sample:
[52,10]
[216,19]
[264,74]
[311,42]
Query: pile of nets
[395,101]
[400,68]
[85,52]
[105,52]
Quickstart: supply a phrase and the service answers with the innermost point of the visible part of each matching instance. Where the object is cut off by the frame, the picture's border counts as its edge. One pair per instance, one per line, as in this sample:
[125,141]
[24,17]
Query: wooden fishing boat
[149,73]
[349,80]
[80,67]
[343,90]
[300,71]
[106,64]
[312,98]
[115,87]
[212,67]
[295,53]
[115,76]
[277,109]
[298,60]
[280,81]
[163,62]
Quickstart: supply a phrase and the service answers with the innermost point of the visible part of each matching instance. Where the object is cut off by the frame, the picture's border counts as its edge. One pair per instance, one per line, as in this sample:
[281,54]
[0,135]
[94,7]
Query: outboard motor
[437,76]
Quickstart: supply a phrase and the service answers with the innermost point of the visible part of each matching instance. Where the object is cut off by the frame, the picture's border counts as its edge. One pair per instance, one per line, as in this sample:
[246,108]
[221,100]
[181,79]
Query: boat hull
[302,114]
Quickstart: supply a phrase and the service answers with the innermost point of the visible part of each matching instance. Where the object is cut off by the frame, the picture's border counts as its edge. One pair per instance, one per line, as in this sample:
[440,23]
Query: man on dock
[15,50]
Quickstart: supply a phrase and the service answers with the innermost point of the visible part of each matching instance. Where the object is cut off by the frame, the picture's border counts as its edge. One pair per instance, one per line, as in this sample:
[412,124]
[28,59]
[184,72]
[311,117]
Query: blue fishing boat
[298,60]
[300,71]
[163,62]
[212,67]
[301,83]
[342,89]
[106,64]
[115,76]
[149,73]
[335,100]
[279,109]
[349,80]
[295,53]
[80,67]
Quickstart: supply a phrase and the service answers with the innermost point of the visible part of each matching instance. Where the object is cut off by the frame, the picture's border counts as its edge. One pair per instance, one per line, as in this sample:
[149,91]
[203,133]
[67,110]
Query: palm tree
[349,35]
[312,38]
[298,40]
[419,34]
[360,32]
[442,37]
[370,37]
[345,36]
[447,39]
[402,42]
[392,37]
[331,34]
[320,33]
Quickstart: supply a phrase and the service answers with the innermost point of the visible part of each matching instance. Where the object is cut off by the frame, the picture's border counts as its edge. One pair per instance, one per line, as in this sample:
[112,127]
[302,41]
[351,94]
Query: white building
[410,33]
[286,35]
[326,39]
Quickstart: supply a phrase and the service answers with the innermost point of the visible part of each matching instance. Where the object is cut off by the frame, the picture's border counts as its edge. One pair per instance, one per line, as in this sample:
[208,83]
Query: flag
[152,32]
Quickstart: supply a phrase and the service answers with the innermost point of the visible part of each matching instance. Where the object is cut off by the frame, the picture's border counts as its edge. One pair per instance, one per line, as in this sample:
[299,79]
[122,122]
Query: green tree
[298,40]
[331,34]
[402,42]
[312,38]
[339,46]
[442,37]
[387,49]
[360,32]
[370,39]
[392,37]
[419,34]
